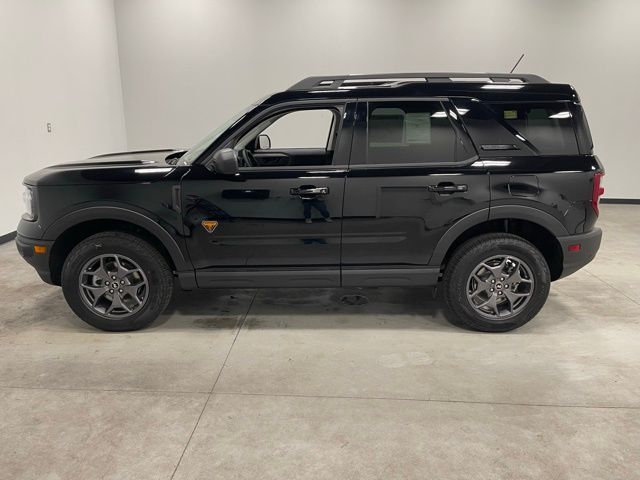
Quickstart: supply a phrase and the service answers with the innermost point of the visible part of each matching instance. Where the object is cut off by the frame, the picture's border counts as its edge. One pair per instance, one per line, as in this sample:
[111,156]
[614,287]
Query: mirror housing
[225,161]
[263,142]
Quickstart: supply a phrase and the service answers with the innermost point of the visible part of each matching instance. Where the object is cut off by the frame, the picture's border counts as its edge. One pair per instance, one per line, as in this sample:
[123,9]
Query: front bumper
[574,260]
[39,261]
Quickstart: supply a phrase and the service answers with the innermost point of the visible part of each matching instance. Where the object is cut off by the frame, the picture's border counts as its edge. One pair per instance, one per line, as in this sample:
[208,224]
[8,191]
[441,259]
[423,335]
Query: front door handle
[447,188]
[310,191]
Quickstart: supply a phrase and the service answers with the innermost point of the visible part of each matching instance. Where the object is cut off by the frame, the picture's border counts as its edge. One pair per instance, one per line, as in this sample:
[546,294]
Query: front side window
[292,138]
[409,132]
[300,129]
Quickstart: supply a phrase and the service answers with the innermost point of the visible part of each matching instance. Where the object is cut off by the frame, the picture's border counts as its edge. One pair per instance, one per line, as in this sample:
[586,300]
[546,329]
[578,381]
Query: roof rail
[390,80]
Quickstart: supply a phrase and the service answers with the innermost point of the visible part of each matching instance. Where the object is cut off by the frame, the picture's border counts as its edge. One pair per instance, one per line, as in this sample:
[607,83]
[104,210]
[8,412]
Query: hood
[137,158]
[122,167]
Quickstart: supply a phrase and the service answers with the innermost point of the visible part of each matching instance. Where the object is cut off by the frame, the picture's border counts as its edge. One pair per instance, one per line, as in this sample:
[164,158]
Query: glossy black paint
[141,182]
[391,217]
[261,223]
[371,225]
[563,186]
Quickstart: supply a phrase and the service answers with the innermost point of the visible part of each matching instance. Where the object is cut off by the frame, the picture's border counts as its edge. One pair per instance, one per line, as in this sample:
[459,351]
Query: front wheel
[496,282]
[116,281]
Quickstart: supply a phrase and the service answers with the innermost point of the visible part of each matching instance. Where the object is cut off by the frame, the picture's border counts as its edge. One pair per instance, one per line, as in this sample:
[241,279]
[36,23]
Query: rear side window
[409,132]
[547,126]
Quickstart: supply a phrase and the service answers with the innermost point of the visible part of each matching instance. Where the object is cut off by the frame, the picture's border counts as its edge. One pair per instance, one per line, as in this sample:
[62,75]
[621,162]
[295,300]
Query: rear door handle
[447,188]
[310,191]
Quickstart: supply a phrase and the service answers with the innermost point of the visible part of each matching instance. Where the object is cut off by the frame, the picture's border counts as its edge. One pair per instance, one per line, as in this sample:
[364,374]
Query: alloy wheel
[500,286]
[113,286]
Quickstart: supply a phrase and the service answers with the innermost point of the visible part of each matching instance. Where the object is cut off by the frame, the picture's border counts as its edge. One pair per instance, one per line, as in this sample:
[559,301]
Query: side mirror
[225,161]
[263,142]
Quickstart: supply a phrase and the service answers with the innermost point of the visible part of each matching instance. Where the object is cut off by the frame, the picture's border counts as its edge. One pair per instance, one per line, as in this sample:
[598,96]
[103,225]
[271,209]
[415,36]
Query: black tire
[159,279]
[464,261]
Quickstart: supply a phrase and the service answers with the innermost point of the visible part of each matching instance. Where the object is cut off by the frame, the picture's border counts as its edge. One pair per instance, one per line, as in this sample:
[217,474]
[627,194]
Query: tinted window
[490,136]
[409,132]
[548,126]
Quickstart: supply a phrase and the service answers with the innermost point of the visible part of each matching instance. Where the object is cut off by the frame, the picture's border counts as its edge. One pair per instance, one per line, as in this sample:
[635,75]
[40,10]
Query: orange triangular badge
[209,225]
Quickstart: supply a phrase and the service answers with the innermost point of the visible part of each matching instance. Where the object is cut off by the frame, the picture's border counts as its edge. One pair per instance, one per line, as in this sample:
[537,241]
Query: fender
[457,229]
[519,212]
[125,214]
[531,214]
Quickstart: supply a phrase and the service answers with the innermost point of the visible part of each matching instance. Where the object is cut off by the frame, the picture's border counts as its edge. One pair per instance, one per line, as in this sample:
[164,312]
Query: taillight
[598,191]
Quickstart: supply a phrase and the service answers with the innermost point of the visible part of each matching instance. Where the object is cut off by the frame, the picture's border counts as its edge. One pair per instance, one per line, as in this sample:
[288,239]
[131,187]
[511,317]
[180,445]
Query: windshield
[195,151]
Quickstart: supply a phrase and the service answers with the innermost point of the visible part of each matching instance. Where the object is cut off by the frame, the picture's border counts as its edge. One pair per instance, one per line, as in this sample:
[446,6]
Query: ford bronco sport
[483,184]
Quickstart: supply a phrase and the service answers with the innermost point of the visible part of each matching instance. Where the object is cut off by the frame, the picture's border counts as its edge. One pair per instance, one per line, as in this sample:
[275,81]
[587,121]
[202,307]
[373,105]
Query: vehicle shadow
[308,308]
[298,308]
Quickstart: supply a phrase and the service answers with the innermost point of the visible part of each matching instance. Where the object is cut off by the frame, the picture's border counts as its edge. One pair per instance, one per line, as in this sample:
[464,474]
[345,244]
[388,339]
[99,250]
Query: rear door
[413,173]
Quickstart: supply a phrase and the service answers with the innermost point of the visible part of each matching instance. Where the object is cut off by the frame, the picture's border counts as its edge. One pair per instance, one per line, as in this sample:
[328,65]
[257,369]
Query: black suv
[485,184]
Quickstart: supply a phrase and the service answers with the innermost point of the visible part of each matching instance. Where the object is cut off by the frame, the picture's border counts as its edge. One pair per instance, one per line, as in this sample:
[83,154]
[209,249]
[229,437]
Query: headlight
[29,204]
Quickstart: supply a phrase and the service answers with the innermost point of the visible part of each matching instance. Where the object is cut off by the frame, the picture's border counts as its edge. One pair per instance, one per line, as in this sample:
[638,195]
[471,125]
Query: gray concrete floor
[275,384]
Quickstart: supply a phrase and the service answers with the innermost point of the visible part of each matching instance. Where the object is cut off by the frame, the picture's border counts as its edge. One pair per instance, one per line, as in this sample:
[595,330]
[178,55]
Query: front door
[279,220]
[413,173]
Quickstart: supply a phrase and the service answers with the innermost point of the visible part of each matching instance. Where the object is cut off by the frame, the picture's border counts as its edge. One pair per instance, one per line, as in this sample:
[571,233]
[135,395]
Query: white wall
[187,65]
[59,64]
[184,66]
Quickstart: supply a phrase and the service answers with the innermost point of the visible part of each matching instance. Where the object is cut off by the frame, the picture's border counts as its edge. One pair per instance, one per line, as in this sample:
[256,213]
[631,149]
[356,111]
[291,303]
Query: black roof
[336,81]
[487,86]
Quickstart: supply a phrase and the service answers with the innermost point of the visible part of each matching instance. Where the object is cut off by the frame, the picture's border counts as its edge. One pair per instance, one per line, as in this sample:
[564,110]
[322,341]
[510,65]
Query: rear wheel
[116,281]
[496,282]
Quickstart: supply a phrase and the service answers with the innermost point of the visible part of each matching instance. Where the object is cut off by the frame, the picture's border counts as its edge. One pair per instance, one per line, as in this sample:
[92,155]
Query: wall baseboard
[621,201]
[7,238]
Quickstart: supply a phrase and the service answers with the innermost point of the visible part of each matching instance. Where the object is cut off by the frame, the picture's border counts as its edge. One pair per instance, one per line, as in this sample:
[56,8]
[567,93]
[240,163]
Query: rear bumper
[39,261]
[574,260]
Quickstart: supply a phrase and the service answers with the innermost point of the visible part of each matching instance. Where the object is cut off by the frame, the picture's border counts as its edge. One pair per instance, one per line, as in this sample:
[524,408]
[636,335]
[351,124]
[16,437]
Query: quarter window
[409,132]
[548,126]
